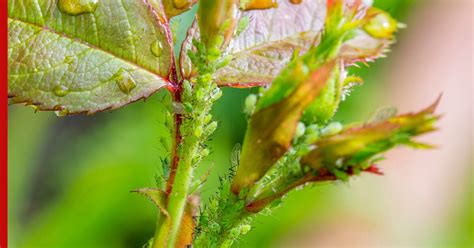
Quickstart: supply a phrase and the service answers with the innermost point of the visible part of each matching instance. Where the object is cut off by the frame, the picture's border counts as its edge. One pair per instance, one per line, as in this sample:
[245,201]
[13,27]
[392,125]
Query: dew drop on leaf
[60,90]
[77,7]
[259,4]
[296,1]
[124,81]
[181,4]
[156,48]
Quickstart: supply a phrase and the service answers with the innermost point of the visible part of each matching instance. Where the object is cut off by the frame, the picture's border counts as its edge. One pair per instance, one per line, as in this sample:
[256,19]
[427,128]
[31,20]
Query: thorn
[432,108]
[374,170]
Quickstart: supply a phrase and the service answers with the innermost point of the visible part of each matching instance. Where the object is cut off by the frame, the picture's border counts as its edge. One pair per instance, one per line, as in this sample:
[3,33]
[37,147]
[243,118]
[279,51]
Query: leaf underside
[116,54]
[267,44]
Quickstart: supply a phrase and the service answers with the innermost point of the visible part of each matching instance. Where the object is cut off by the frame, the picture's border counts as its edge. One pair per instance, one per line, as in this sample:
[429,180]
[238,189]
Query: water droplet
[156,48]
[77,7]
[260,4]
[124,81]
[296,1]
[181,4]
[69,59]
[60,90]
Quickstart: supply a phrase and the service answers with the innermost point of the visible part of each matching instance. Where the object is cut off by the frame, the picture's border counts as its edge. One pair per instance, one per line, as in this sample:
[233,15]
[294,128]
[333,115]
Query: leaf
[86,58]
[268,43]
[372,40]
[345,26]
[157,196]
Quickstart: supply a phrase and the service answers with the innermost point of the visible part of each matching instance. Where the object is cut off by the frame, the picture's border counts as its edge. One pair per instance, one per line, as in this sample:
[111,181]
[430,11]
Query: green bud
[380,24]
[272,127]
[358,144]
[217,20]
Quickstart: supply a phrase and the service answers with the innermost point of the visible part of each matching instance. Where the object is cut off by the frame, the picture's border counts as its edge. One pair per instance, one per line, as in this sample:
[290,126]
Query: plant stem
[180,190]
[191,130]
[160,236]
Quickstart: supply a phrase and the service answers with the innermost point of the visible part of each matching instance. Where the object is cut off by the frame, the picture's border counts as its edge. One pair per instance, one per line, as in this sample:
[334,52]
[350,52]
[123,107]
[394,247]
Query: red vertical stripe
[4,125]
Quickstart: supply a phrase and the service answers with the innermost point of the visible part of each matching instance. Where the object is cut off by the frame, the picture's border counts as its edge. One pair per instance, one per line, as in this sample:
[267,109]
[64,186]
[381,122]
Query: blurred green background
[70,177]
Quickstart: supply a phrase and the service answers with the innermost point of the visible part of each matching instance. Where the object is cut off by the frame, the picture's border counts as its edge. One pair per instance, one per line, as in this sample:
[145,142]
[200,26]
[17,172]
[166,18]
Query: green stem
[180,190]
[194,131]
[161,233]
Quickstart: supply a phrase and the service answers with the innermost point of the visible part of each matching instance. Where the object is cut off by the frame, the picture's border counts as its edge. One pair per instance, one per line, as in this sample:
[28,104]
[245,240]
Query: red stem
[175,89]
[178,119]
[323,176]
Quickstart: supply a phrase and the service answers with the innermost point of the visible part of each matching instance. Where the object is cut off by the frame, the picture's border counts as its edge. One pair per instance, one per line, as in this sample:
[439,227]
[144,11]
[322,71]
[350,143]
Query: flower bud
[273,127]
[380,24]
[217,20]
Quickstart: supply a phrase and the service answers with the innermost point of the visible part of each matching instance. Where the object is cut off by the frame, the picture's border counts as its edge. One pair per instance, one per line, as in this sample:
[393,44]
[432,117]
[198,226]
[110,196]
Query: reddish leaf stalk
[323,175]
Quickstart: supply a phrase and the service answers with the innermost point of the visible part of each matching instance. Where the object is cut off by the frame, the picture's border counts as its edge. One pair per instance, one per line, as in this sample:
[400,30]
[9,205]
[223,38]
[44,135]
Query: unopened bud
[217,19]
[380,24]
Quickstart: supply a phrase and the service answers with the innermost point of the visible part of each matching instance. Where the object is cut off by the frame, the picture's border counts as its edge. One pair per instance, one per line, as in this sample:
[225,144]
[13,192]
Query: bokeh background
[69,178]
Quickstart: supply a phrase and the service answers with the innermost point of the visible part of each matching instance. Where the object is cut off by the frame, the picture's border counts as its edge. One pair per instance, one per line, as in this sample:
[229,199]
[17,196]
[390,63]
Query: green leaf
[86,56]
[157,196]
[267,44]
